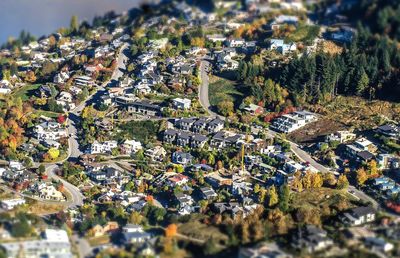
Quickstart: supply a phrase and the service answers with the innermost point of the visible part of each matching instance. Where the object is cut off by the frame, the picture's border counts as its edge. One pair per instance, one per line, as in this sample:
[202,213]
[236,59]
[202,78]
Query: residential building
[50,131]
[157,153]
[181,103]
[143,108]
[389,130]
[83,81]
[377,244]
[281,47]
[208,193]
[11,203]
[263,250]
[182,158]
[341,137]
[225,139]
[105,147]
[311,238]
[131,146]
[134,234]
[254,110]
[54,244]
[291,122]
[359,215]
[215,125]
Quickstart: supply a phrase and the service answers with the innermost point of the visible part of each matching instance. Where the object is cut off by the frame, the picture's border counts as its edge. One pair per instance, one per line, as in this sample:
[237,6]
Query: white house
[55,244]
[156,154]
[135,234]
[359,216]
[291,122]
[65,100]
[61,77]
[105,147]
[235,42]
[5,87]
[131,146]
[11,203]
[280,46]
[49,192]
[181,103]
[216,38]
[83,81]
[50,131]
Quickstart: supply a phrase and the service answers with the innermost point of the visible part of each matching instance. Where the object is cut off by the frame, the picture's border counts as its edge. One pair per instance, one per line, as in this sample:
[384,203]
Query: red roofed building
[178,179]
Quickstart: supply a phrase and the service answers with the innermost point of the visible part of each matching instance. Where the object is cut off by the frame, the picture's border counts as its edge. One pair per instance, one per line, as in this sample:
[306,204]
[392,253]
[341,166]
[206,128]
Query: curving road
[204,100]
[76,195]
[73,119]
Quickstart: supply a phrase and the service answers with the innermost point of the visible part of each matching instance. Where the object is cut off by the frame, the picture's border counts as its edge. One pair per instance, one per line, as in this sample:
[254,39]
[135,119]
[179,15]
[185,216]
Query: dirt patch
[351,113]
[316,131]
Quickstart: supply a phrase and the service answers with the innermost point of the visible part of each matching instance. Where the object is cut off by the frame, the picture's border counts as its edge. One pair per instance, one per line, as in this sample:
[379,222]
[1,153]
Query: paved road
[76,195]
[82,245]
[203,91]
[74,116]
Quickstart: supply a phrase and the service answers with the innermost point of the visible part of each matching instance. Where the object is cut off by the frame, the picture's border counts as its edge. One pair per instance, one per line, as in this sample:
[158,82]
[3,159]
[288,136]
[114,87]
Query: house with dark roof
[144,108]
[182,158]
[208,193]
[215,125]
[359,216]
[311,239]
[183,139]
[199,125]
[365,156]
[185,123]
[225,139]
[389,130]
[198,141]
[169,136]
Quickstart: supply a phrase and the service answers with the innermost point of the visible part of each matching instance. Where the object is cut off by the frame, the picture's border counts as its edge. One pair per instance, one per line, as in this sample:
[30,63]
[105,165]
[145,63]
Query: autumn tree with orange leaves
[171,230]
[14,117]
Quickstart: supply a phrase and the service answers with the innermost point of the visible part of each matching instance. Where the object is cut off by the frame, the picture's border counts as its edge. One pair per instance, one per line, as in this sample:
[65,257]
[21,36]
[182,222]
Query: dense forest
[382,16]
[368,67]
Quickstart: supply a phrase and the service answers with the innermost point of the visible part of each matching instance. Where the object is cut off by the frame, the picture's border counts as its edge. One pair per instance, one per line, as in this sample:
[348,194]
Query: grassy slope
[222,89]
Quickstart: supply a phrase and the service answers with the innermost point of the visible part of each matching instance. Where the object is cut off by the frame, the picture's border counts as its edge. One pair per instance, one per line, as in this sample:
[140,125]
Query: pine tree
[363,82]
[284,198]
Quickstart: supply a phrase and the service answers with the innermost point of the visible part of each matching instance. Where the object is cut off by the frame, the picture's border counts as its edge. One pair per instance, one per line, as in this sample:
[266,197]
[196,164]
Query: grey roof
[219,136]
[366,155]
[200,122]
[171,132]
[200,137]
[187,120]
[362,211]
[184,135]
[215,122]
[145,105]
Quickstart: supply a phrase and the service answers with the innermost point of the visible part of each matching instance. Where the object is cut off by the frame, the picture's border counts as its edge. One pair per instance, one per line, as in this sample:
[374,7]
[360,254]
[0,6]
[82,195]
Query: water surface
[42,17]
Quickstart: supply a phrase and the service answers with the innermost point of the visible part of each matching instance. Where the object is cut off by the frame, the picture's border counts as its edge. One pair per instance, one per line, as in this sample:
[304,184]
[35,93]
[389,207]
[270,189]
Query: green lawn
[222,89]
[46,113]
[315,198]
[25,92]
[144,131]
[304,33]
